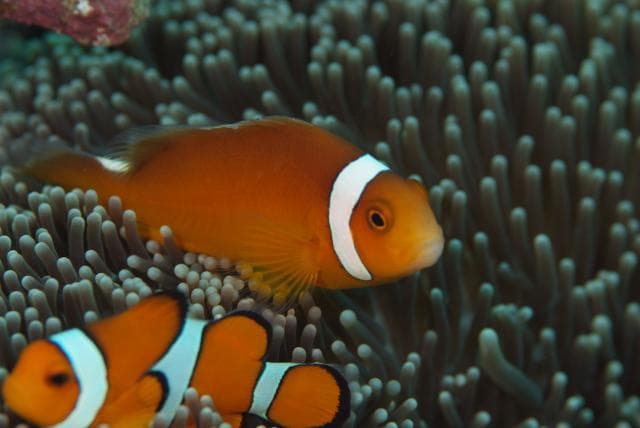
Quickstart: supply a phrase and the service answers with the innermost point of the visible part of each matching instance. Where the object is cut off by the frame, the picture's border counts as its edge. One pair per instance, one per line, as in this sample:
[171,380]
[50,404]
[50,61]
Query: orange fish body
[299,204]
[115,372]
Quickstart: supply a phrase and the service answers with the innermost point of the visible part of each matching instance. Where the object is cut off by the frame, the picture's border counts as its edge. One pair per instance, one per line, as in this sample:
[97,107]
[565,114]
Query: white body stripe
[91,373]
[345,194]
[267,386]
[178,363]
[115,165]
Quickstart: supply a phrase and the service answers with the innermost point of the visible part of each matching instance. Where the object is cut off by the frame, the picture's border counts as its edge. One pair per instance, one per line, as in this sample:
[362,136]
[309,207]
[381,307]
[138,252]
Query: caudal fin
[310,395]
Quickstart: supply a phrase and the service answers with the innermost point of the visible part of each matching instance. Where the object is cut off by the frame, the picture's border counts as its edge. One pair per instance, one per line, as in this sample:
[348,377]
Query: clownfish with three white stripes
[124,370]
[300,205]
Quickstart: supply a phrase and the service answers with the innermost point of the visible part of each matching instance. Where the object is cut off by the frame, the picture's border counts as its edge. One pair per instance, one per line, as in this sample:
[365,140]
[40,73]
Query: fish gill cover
[522,118]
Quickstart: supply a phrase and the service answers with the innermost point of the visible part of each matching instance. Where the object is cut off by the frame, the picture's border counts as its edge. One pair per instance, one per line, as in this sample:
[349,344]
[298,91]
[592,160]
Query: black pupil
[377,219]
[59,379]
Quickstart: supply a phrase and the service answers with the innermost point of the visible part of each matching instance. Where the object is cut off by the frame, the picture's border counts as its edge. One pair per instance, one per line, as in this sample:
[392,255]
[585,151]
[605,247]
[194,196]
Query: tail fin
[309,395]
[70,168]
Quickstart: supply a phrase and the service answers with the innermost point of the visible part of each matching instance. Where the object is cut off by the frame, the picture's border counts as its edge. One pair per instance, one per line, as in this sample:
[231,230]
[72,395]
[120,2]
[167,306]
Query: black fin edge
[344,399]
[165,387]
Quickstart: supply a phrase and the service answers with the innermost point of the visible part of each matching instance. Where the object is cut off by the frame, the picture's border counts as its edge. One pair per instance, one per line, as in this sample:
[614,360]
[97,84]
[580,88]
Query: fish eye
[377,220]
[58,379]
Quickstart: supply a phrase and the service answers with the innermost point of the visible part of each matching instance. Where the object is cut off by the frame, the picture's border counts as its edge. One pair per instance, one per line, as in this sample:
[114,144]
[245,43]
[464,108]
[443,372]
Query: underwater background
[521,117]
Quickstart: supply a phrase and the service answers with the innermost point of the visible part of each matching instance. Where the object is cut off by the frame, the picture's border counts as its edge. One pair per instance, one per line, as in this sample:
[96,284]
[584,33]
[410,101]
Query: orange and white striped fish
[125,370]
[300,205]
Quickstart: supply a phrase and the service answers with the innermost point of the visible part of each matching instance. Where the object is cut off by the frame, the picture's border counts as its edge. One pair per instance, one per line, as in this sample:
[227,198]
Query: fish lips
[430,253]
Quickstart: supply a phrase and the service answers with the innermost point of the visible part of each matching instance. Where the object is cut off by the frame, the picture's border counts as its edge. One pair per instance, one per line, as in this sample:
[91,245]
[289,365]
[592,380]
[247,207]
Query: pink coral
[97,22]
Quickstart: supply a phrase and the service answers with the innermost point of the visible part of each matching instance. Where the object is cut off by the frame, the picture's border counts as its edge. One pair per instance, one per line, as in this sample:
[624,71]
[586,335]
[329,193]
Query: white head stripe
[267,386]
[178,363]
[91,373]
[115,165]
[345,194]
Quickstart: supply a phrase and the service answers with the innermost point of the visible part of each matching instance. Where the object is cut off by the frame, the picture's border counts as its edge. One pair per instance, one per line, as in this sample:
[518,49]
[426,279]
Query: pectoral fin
[136,407]
[283,259]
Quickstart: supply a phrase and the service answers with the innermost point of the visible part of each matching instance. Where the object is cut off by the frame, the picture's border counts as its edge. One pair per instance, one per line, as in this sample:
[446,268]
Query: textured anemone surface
[521,117]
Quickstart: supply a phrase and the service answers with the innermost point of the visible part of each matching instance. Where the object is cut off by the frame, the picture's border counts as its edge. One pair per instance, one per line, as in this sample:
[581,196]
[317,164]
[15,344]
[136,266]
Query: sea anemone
[522,118]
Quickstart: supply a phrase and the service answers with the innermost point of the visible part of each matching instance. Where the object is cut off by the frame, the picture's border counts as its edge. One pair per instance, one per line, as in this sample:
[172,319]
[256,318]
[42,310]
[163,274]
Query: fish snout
[11,392]
[431,251]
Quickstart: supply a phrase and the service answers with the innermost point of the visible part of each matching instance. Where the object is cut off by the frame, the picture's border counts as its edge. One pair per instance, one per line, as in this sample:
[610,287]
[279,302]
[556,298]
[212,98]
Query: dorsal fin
[138,145]
[135,339]
[71,168]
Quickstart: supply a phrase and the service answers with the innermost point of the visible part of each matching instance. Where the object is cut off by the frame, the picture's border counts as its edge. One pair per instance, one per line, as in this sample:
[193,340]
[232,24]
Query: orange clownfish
[125,370]
[300,205]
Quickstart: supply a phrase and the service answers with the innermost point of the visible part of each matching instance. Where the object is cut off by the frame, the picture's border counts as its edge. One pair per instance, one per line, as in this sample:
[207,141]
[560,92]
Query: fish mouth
[431,252]
[12,394]
[16,398]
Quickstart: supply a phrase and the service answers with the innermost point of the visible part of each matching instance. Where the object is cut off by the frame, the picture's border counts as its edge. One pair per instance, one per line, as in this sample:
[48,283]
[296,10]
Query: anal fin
[136,407]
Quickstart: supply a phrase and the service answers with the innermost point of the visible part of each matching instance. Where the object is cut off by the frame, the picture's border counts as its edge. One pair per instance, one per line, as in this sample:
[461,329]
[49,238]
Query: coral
[521,118]
[105,22]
